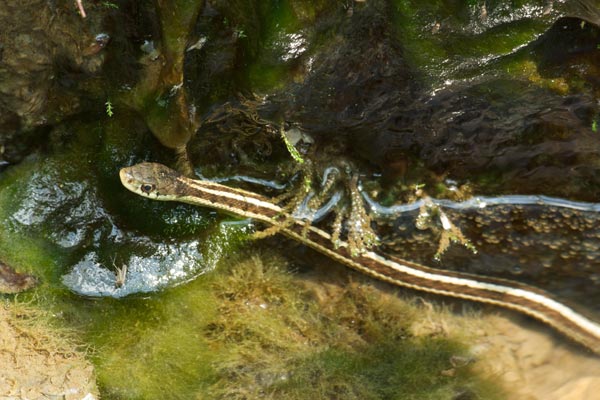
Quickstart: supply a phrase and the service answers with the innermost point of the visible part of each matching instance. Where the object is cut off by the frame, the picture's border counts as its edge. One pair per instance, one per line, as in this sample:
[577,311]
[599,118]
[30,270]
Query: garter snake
[158,182]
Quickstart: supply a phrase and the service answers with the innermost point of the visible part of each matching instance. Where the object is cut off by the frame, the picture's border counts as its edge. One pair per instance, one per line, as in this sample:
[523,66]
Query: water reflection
[168,265]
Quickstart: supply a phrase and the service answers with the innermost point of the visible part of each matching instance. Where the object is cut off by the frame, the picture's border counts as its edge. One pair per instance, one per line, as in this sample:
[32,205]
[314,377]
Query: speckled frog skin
[554,247]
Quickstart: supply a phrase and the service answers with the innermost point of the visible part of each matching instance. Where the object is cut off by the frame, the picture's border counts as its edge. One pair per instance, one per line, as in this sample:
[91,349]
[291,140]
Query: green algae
[48,196]
[526,68]
[160,94]
[177,18]
[280,341]
[244,331]
[382,370]
[152,348]
[268,72]
[455,40]
[249,329]
[287,37]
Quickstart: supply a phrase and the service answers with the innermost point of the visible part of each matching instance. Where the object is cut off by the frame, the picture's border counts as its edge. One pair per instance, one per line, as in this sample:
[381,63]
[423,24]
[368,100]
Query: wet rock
[588,10]
[506,134]
[362,97]
[162,94]
[214,61]
[359,73]
[69,216]
[569,50]
[70,202]
[46,50]
[168,265]
[243,46]
[530,140]
[330,73]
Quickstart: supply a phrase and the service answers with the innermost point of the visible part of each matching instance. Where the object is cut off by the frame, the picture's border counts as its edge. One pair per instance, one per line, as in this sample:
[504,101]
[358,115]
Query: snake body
[158,182]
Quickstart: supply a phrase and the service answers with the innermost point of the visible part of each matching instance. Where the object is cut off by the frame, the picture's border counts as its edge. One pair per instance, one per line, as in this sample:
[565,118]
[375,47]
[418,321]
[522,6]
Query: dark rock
[46,49]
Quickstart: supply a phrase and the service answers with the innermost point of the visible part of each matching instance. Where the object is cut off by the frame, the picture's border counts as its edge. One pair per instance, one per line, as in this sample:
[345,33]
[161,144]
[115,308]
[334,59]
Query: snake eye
[147,188]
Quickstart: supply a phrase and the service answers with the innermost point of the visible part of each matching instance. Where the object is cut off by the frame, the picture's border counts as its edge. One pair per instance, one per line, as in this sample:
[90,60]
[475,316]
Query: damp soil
[40,360]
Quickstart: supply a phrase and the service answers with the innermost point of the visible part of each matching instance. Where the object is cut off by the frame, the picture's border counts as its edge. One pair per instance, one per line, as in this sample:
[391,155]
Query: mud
[14,282]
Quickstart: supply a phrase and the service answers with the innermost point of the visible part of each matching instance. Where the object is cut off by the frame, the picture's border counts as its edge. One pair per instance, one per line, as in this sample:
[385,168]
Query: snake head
[150,180]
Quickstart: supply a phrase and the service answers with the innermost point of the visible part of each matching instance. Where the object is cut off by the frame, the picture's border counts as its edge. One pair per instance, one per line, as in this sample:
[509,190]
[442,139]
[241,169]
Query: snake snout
[128,178]
[125,175]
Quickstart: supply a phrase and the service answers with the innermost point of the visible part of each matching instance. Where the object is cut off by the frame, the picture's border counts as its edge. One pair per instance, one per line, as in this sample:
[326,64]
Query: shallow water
[411,92]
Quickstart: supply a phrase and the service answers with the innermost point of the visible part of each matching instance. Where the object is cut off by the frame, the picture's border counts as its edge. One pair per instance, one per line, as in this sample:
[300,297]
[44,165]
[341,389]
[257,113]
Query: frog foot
[431,216]
[338,193]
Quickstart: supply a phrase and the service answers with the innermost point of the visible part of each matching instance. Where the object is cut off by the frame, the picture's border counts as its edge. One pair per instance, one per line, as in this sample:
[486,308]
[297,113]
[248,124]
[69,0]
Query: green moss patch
[279,339]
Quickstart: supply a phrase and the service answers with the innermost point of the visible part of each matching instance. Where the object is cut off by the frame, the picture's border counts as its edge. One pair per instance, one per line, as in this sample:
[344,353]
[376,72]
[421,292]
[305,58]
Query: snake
[159,182]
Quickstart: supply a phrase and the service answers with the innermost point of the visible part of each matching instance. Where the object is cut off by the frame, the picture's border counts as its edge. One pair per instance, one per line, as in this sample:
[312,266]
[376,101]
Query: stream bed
[487,108]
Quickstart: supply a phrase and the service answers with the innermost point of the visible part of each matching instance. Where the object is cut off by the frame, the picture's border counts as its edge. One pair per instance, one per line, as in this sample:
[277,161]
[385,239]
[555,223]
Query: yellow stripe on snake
[158,182]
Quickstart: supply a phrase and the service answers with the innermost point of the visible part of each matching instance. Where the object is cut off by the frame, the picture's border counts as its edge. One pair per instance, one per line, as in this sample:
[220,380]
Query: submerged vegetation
[254,330]
[250,328]
[364,96]
[282,338]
